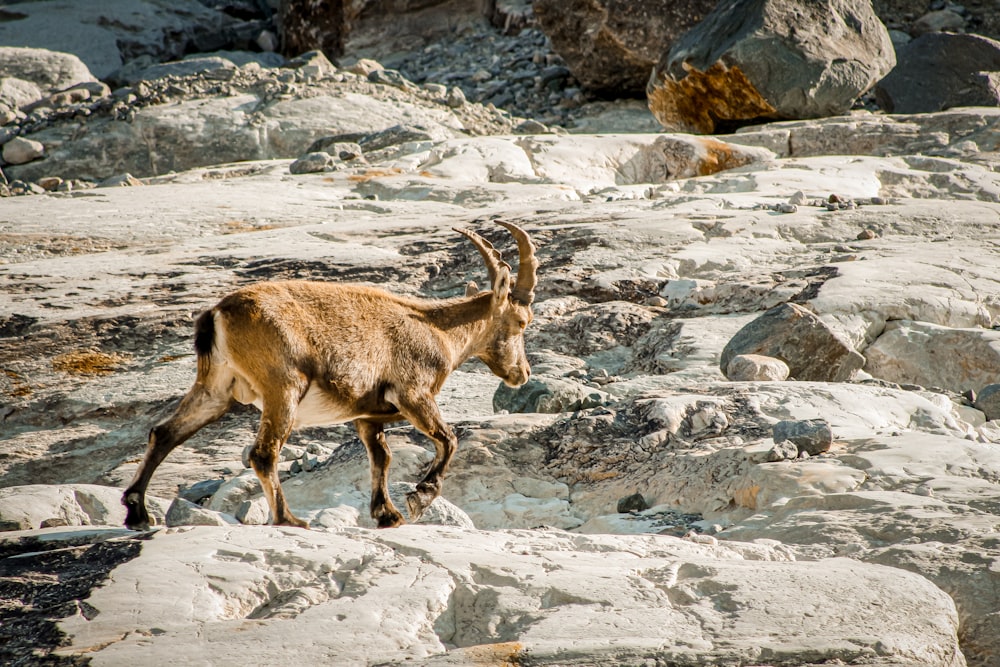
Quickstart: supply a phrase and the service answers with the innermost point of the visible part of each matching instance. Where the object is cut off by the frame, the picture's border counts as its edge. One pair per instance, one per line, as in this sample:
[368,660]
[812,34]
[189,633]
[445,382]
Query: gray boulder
[611,46]
[753,59]
[312,163]
[938,71]
[812,436]
[801,339]
[988,401]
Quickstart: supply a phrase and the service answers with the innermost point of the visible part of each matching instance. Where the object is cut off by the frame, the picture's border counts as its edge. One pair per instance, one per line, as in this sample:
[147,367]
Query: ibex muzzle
[314,353]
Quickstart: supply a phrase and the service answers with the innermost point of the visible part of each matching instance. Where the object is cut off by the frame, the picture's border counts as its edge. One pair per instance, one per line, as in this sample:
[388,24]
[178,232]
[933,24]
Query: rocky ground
[635,502]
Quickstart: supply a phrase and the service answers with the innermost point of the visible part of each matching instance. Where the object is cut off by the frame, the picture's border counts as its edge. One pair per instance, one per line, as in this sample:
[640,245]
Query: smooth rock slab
[431,595]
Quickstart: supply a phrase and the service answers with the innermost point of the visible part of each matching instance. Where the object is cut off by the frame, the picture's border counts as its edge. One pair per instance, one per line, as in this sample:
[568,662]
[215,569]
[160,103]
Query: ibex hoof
[415,505]
[389,520]
[136,516]
[293,521]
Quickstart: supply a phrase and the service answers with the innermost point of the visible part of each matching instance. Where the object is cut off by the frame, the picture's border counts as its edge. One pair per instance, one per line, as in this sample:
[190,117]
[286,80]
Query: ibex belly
[319,408]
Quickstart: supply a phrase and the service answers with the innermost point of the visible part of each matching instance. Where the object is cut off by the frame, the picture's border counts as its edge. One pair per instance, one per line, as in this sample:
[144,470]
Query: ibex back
[314,353]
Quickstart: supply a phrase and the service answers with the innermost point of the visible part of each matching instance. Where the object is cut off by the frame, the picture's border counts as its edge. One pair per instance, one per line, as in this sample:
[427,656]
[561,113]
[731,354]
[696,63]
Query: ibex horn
[527,267]
[490,254]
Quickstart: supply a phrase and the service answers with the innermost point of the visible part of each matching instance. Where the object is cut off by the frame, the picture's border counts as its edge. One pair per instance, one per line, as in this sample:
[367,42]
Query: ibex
[315,353]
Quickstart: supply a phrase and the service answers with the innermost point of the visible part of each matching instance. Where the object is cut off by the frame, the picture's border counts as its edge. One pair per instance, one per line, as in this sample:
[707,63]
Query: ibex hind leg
[197,409]
[277,417]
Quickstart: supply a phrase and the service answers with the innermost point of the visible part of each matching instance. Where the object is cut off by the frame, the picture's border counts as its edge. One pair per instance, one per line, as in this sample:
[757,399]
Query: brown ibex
[316,353]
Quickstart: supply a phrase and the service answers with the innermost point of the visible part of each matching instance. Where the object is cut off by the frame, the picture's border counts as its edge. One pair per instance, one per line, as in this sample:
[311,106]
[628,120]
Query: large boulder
[753,59]
[49,70]
[798,337]
[935,356]
[611,46]
[938,71]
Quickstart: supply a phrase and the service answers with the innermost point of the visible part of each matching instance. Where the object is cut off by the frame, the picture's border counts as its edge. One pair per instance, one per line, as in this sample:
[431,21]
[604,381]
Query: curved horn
[527,267]
[490,254]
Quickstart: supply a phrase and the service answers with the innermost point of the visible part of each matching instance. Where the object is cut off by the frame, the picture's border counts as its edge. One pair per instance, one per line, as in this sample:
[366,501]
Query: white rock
[756,367]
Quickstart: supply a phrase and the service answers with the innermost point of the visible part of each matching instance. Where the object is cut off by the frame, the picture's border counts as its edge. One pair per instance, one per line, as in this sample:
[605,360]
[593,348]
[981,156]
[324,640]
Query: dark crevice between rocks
[43,581]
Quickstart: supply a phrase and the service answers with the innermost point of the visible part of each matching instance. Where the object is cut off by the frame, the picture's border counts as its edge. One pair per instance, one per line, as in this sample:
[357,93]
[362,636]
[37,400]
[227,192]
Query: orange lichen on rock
[88,362]
[700,100]
[747,497]
[502,654]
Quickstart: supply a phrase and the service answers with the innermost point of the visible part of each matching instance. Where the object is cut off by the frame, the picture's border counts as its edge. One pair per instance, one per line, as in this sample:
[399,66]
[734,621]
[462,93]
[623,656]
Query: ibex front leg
[383,511]
[423,413]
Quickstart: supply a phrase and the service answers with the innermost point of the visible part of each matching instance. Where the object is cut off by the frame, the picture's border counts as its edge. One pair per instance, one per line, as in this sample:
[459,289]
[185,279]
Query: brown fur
[310,353]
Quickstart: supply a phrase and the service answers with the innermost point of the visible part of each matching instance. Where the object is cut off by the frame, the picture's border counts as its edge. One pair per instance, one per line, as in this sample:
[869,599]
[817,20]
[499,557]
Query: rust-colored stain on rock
[700,100]
[720,156]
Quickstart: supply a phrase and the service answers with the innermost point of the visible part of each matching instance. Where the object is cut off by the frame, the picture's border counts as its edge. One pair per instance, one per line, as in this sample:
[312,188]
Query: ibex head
[502,348]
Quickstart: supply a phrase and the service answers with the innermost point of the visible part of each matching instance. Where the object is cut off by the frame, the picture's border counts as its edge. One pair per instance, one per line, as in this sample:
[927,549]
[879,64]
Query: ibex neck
[463,322]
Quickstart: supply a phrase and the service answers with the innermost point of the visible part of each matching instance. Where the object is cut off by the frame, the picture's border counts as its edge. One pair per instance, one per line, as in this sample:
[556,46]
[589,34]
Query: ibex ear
[501,288]
[472,289]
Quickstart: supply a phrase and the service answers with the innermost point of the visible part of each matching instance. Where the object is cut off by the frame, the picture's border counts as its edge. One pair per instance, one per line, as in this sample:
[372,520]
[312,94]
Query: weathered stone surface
[753,59]
[611,46]
[930,355]
[799,338]
[938,71]
[756,368]
[106,35]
